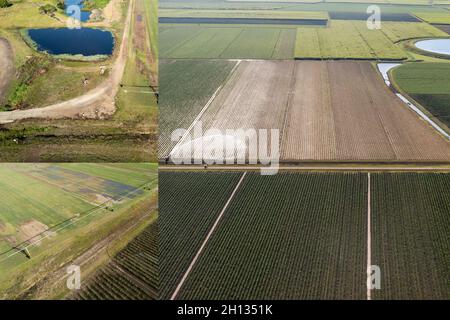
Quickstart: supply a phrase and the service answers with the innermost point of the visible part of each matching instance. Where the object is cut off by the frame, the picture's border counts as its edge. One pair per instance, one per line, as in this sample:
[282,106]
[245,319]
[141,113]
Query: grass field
[304,235]
[428,84]
[410,235]
[57,212]
[308,5]
[352,40]
[434,17]
[132,274]
[225,42]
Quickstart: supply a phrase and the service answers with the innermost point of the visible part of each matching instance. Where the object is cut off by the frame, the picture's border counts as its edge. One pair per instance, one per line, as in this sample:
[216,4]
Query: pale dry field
[325,111]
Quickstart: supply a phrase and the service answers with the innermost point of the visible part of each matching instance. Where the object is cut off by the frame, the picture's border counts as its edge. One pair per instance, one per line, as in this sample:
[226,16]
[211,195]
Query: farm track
[6,66]
[339,111]
[96,104]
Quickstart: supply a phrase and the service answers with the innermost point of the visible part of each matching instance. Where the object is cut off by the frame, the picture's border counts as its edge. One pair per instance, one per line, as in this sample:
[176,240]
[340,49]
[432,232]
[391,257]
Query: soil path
[6,66]
[97,103]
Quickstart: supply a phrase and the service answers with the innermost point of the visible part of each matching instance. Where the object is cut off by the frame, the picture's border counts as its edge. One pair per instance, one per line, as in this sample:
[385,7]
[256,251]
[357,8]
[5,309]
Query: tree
[61,4]
[4,4]
[47,9]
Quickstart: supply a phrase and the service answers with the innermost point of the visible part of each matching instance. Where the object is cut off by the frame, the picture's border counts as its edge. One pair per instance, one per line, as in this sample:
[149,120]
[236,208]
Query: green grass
[434,17]
[346,40]
[398,31]
[225,42]
[353,40]
[294,5]
[50,193]
[181,98]
[410,239]
[25,14]
[428,84]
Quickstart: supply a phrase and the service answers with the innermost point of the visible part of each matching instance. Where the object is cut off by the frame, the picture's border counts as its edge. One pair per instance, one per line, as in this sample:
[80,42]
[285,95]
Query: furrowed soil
[335,110]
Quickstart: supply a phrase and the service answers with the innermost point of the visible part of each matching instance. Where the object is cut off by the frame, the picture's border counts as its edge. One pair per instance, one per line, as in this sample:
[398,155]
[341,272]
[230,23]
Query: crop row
[132,274]
[304,235]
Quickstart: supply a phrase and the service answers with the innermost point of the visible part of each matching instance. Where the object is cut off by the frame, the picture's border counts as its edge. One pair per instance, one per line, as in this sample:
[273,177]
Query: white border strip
[189,269]
[369,237]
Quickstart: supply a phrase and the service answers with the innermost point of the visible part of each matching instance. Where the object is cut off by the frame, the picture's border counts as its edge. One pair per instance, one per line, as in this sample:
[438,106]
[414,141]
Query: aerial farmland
[94,216]
[364,150]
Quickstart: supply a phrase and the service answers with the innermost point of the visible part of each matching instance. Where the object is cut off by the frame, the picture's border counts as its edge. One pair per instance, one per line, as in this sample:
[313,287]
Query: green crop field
[304,235]
[56,211]
[352,39]
[434,17]
[182,98]
[428,84]
[410,235]
[182,231]
[225,42]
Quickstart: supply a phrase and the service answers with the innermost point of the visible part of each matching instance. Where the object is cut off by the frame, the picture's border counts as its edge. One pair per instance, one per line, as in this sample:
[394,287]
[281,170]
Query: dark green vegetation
[278,238]
[428,84]
[252,42]
[4,4]
[304,235]
[180,94]
[58,212]
[131,274]
[411,214]
[189,203]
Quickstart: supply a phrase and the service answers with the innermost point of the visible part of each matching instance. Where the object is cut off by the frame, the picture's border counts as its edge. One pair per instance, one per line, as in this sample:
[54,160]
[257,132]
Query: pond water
[84,15]
[85,41]
[440,46]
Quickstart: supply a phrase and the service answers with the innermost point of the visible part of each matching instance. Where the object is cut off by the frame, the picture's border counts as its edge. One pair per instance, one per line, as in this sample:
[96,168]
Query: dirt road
[96,104]
[6,66]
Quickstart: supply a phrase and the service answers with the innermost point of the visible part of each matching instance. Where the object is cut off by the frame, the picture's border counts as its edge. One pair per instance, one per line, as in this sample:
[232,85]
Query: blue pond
[441,46]
[85,41]
[84,15]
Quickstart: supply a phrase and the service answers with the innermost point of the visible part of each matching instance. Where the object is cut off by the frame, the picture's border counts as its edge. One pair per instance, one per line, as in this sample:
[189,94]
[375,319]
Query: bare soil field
[333,111]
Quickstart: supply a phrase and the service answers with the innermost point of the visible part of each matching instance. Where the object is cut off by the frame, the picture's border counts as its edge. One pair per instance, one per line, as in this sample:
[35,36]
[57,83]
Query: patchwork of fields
[303,235]
[52,213]
[222,41]
[329,111]
[338,40]
[131,275]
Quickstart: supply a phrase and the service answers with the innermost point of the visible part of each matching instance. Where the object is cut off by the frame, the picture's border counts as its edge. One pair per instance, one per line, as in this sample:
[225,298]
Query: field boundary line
[208,236]
[369,238]
[196,119]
